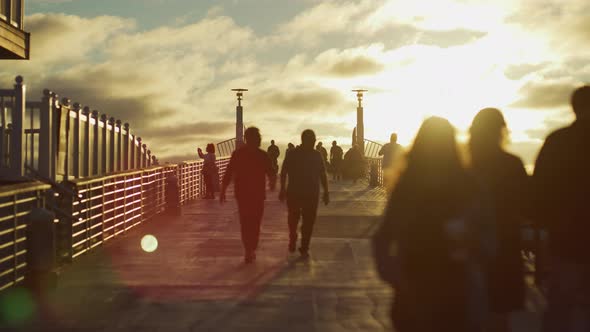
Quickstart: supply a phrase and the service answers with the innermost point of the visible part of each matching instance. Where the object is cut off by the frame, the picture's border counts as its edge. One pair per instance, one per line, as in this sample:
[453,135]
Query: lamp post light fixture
[360,125]
[239,117]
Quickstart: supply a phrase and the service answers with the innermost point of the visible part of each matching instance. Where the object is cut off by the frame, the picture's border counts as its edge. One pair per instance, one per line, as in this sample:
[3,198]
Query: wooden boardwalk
[196,280]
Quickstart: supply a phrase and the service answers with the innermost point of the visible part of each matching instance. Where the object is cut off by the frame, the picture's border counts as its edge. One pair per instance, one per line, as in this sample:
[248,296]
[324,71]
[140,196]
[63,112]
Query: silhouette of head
[393,138]
[434,150]
[252,136]
[210,148]
[487,129]
[272,142]
[581,102]
[334,143]
[308,138]
[290,145]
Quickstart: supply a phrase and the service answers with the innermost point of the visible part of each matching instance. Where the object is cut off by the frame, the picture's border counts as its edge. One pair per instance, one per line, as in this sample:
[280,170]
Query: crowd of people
[450,241]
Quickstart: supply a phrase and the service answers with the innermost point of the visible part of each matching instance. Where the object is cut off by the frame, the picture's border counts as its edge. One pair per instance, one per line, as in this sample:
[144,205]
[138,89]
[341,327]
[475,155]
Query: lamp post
[239,118]
[360,125]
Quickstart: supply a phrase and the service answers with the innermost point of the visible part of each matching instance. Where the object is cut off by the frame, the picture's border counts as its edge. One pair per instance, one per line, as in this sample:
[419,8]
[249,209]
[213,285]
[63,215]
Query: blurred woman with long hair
[421,248]
[505,180]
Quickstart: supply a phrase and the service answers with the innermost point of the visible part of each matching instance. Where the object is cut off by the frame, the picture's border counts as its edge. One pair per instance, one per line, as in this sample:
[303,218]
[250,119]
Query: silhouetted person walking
[389,150]
[210,171]
[421,247]
[336,155]
[274,153]
[322,150]
[249,166]
[290,147]
[302,173]
[504,179]
[562,205]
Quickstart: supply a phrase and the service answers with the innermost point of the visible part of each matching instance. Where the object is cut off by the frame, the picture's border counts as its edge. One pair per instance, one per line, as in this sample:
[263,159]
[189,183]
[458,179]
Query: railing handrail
[19,188]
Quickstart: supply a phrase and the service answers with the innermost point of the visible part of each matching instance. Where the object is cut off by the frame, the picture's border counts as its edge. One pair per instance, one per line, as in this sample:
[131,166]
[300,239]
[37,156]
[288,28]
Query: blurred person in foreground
[248,167]
[425,244]
[561,183]
[503,177]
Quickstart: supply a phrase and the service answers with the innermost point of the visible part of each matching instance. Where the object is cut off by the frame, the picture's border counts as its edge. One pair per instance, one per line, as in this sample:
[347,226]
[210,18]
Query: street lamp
[360,125]
[239,117]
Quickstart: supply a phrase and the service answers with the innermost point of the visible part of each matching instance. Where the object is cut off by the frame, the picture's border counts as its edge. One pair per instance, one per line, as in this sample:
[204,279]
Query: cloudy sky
[166,66]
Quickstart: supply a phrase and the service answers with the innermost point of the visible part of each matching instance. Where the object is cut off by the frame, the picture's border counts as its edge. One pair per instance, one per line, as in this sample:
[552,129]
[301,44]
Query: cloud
[301,101]
[518,71]
[545,95]
[59,38]
[327,17]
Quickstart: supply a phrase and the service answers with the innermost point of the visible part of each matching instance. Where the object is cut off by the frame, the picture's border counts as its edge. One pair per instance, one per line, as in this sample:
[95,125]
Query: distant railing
[16,201]
[60,141]
[226,148]
[372,149]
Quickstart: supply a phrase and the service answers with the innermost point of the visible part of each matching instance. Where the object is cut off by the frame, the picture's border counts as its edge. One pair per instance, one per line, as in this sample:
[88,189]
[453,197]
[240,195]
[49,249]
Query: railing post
[112,146]
[65,108]
[104,145]
[144,156]
[47,152]
[119,147]
[87,155]
[132,153]
[138,154]
[17,136]
[126,146]
[76,156]
[96,162]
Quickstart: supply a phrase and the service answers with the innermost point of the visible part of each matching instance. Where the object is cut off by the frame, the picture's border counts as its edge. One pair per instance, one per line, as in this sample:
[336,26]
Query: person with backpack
[504,178]
[302,174]
[423,247]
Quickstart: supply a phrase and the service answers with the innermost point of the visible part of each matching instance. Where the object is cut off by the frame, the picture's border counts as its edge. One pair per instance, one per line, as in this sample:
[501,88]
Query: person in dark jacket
[354,164]
[248,167]
[274,153]
[336,155]
[415,250]
[562,205]
[503,177]
[301,176]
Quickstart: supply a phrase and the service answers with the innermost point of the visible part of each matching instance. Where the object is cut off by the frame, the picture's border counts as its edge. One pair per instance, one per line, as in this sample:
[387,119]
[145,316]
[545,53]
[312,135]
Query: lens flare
[16,306]
[149,243]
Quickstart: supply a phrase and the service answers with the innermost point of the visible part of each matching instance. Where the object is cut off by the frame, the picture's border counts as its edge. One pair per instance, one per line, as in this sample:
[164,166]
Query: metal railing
[375,171]
[372,149]
[63,141]
[16,201]
[226,148]
[108,206]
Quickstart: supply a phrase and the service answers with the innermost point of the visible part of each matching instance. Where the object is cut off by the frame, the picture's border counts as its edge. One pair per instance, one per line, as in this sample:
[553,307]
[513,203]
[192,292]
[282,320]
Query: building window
[15,12]
[4,9]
